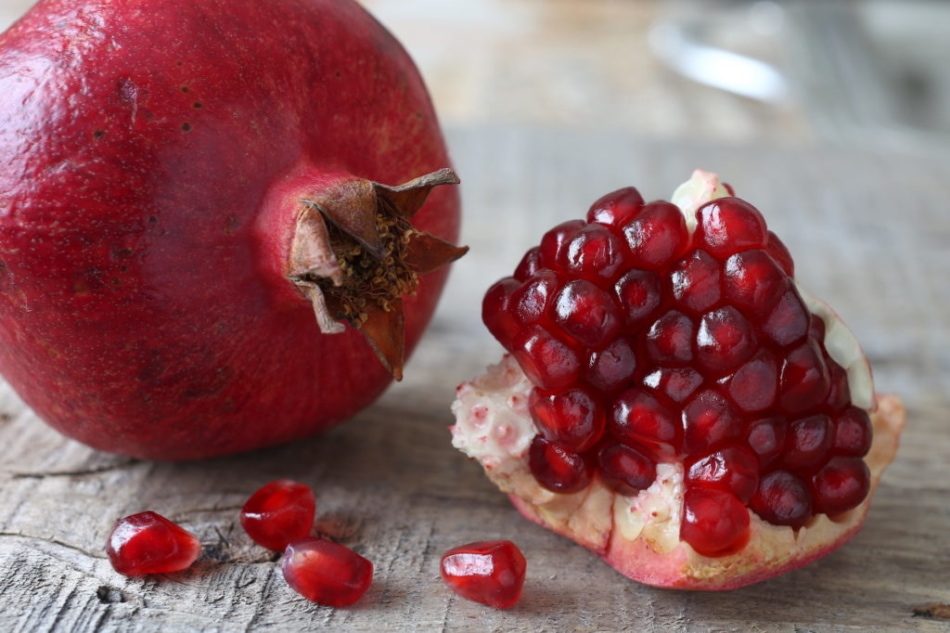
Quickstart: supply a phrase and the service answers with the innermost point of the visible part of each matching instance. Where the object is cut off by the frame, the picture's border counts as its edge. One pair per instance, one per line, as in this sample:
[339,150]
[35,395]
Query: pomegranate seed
[670,340]
[714,522]
[639,294]
[724,341]
[808,443]
[495,313]
[587,314]
[733,468]
[839,395]
[782,499]
[573,418]
[852,433]
[728,225]
[696,281]
[753,282]
[553,242]
[840,485]
[709,419]
[548,362]
[676,383]
[780,253]
[326,572]
[595,253]
[148,543]
[804,380]
[278,513]
[656,236]
[638,419]
[556,467]
[529,264]
[754,385]
[766,438]
[625,469]
[612,368]
[530,302]
[490,572]
[787,324]
[616,208]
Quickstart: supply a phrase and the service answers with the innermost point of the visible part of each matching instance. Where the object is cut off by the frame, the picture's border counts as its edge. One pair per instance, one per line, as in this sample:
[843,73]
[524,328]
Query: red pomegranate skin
[154,155]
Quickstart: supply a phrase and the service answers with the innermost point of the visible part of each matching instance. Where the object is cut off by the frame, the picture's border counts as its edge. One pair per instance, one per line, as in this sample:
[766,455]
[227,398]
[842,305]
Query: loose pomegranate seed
[556,467]
[573,418]
[698,349]
[148,543]
[714,522]
[278,513]
[326,572]
[490,572]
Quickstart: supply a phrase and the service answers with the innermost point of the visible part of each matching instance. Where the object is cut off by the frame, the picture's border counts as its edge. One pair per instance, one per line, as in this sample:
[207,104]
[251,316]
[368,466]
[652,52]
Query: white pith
[494,427]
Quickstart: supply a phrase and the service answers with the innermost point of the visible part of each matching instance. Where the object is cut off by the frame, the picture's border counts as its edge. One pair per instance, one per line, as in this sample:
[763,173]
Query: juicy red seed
[625,469]
[787,324]
[490,572]
[696,281]
[808,443]
[728,225]
[531,301]
[715,522]
[638,419]
[709,419]
[587,313]
[547,361]
[638,292]
[753,387]
[780,253]
[766,438]
[573,418]
[804,380]
[841,484]
[616,208]
[278,513]
[611,368]
[724,340]
[529,264]
[733,468]
[326,572]
[148,543]
[594,253]
[495,314]
[552,243]
[676,383]
[556,467]
[782,499]
[816,327]
[839,395]
[852,433]
[670,339]
[753,282]
[656,236]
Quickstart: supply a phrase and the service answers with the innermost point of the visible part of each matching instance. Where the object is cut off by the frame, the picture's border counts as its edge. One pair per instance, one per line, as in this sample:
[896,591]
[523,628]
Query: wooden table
[871,231]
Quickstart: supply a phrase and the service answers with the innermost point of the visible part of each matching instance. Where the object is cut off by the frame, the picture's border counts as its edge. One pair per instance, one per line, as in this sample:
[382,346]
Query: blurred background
[737,71]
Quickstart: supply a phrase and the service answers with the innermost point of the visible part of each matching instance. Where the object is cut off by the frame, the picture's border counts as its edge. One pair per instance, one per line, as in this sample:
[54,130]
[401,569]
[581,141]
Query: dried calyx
[356,255]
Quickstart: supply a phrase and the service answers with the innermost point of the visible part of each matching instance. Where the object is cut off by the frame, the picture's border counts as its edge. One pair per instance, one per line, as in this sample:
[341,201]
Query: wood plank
[871,231]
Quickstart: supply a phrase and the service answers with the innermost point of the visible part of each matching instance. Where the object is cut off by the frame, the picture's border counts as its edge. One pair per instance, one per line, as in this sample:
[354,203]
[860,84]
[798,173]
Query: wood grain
[870,231]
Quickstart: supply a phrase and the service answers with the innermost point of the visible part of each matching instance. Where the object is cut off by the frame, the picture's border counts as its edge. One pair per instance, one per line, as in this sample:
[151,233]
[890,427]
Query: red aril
[326,572]
[742,434]
[279,513]
[217,242]
[148,543]
[490,572]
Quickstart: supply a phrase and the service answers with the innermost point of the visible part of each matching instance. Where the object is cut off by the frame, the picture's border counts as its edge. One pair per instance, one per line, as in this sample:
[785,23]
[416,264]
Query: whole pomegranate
[205,243]
[672,399]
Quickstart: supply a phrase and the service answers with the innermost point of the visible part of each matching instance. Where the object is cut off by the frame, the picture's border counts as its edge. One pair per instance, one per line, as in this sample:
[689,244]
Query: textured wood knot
[109,595]
[934,610]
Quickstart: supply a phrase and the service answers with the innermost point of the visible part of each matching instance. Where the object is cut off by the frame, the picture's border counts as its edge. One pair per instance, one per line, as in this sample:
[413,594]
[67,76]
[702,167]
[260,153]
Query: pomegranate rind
[639,536]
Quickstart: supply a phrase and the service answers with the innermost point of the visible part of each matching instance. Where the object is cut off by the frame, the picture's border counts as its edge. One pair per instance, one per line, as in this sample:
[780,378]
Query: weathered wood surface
[871,231]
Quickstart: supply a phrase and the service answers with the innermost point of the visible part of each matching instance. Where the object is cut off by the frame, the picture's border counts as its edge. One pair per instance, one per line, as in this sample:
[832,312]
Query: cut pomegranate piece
[326,572]
[148,543]
[737,408]
[278,513]
[490,572]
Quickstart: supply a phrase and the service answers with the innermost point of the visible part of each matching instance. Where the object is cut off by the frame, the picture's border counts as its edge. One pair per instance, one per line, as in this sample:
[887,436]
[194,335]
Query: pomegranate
[205,237]
[672,399]
[148,543]
[326,572]
[490,572]
[279,513]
